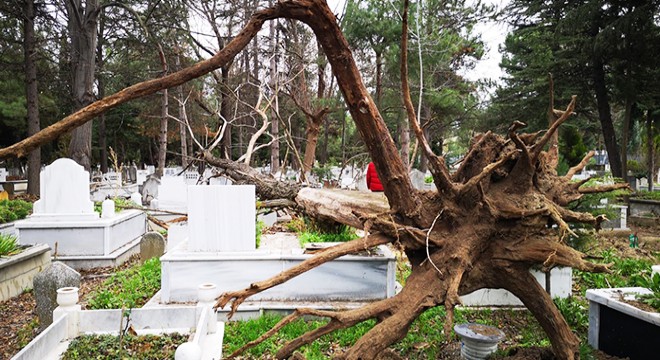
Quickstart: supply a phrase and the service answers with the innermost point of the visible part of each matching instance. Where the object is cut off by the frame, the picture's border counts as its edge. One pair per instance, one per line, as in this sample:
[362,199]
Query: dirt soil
[18,324]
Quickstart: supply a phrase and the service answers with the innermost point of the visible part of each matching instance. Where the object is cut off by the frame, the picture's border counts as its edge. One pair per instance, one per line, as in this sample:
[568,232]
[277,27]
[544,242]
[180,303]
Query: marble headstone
[221,218]
[65,191]
[3,174]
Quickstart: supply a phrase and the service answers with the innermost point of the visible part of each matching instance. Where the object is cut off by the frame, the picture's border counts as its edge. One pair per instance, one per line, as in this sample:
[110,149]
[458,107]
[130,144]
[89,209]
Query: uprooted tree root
[503,211]
[483,233]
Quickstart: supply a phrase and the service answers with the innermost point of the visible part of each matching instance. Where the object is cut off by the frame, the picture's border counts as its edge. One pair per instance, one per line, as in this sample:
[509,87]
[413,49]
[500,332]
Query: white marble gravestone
[191,177]
[221,218]
[172,194]
[64,218]
[64,190]
[3,174]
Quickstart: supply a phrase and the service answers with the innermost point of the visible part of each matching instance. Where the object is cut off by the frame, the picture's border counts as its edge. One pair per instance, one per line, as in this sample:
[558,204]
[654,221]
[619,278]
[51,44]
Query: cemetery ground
[524,337]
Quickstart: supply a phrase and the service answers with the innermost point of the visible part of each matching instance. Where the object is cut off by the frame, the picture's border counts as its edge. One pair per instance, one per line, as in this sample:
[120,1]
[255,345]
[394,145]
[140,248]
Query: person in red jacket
[373,183]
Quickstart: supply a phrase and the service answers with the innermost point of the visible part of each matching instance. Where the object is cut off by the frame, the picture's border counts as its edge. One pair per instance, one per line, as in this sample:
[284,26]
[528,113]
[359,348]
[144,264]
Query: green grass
[625,273]
[129,288]
[12,210]
[9,245]
[647,195]
[346,234]
[107,347]
[425,338]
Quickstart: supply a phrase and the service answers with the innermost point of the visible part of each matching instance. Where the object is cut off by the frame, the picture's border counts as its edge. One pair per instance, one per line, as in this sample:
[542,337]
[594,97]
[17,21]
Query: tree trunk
[625,135]
[274,83]
[650,148]
[162,134]
[379,78]
[183,117]
[605,117]
[32,96]
[164,117]
[82,26]
[103,141]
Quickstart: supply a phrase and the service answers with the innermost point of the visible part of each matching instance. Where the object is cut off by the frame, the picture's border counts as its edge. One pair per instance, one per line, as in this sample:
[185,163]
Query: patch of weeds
[107,347]
[297,225]
[9,245]
[576,313]
[259,231]
[625,272]
[345,233]
[241,332]
[129,288]
[25,334]
[120,204]
[12,210]
[653,299]
[647,195]
[425,337]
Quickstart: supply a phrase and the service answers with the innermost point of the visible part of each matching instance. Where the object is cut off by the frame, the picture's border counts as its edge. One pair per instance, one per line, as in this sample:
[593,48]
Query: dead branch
[577,168]
[331,253]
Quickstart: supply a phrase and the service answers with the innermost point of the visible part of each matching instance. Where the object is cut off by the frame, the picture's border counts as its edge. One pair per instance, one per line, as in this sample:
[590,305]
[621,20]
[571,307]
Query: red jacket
[373,183]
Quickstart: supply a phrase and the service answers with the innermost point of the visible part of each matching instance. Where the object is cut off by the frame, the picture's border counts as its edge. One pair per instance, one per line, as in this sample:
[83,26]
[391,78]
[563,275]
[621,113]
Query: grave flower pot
[18,271]
[478,341]
[619,328]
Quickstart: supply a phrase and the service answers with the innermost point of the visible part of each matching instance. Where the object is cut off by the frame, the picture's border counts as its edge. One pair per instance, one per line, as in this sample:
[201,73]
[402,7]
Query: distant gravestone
[150,189]
[65,191]
[152,245]
[132,173]
[417,178]
[46,283]
[3,174]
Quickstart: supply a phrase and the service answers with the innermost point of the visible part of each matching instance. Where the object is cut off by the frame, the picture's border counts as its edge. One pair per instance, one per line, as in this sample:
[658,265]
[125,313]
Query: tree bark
[103,140]
[164,117]
[274,83]
[82,26]
[650,147]
[605,117]
[32,96]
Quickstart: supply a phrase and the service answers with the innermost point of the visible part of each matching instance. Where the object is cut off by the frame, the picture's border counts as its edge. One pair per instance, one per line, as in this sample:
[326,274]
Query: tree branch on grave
[320,258]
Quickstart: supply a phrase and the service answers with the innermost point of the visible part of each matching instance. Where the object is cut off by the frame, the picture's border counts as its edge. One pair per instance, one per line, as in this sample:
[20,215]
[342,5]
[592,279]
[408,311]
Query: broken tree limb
[321,257]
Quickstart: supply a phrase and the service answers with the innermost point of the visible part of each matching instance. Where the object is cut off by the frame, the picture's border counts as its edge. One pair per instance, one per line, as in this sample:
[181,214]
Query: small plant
[259,231]
[296,225]
[129,288]
[12,210]
[27,332]
[653,299]
[107,347]
[428,180]
[8,245]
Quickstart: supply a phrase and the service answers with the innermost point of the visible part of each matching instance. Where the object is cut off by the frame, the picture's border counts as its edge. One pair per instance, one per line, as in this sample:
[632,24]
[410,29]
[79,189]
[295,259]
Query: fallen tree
[503,211]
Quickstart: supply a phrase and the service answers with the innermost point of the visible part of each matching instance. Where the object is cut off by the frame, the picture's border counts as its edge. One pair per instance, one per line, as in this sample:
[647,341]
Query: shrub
[12,210]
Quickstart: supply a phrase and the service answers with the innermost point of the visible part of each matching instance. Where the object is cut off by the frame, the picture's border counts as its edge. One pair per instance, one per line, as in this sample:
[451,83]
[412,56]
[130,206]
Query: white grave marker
[3,174]
[221,218]
[65,191]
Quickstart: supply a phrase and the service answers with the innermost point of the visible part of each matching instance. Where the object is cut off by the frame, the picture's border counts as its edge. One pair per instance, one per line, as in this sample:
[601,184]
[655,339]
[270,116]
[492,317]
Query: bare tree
[32,95]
